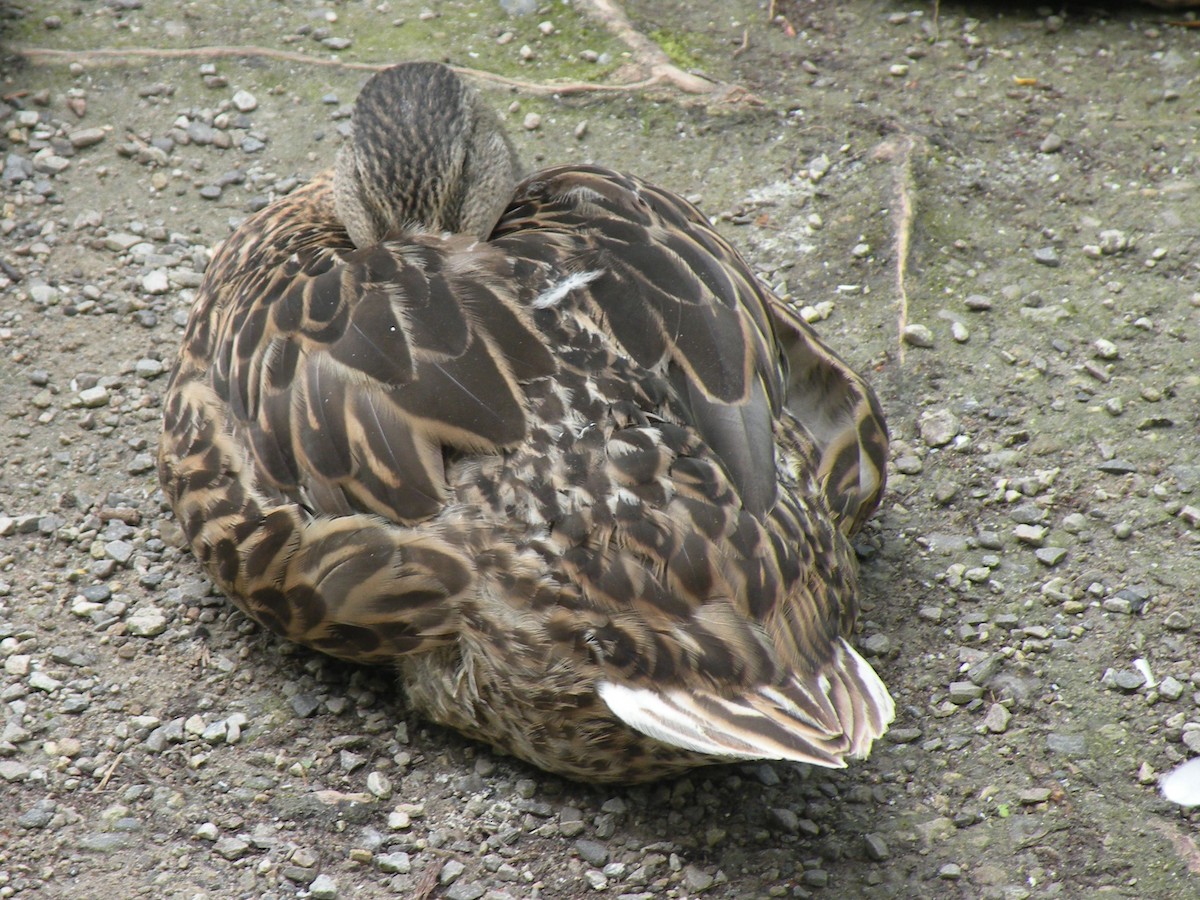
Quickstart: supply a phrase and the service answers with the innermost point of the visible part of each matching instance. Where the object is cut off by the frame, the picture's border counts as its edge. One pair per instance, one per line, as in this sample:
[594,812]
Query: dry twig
[646,54]
[901,151]
[131,55]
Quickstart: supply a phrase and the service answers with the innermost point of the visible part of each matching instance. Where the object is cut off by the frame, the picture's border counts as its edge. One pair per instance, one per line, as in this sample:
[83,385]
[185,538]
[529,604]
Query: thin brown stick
[901,151]
[646,53]
[744,45]
[39,56]
[108,774]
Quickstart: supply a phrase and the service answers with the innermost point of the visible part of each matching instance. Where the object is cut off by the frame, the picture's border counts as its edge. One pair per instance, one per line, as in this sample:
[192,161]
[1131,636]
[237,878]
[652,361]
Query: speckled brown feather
[587,483]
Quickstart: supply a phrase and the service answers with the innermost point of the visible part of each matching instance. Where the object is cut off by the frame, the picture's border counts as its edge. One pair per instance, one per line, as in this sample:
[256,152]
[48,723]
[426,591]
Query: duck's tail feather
[819,720]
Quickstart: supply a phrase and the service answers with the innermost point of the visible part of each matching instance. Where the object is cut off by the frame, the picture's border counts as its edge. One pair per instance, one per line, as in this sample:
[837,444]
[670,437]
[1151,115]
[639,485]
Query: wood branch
[39,56]
[646,53]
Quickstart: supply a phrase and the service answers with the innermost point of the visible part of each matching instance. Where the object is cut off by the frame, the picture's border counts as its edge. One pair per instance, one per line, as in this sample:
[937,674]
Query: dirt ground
[1016,188]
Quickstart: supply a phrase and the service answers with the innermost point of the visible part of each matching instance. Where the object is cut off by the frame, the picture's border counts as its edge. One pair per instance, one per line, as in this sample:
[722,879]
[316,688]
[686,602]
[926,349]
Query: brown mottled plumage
[549,448]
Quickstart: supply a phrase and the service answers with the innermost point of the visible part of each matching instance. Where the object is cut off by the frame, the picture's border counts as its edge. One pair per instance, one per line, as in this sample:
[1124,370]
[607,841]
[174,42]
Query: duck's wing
[674,296]
[720,626]
[837,412]
[315,396]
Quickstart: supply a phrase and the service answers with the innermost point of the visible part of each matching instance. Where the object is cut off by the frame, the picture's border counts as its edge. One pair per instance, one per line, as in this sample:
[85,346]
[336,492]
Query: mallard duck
[549,448]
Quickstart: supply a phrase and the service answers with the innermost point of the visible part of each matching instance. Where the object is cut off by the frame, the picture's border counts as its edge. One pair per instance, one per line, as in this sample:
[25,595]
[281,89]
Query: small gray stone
[963,692]
[105,842]
[465,890]
[1051,143]
[1170,688]
[231,848]
[950,872]
[94,397]
[918,335]
[323,888]
[785,819]
[1046,256]
[305,705]
[245,101]
[1050,556]
[592,852]
[696,880]
[1177,621]
[38,815]
[86,137]
[379,785]
[40,681]
[986,669]
[596,879]
[13,770]
[997,719]
[1125,680]
[450,872]
[394,863]
[336,43]
[156,282]
[939,427]
[1030,534]
[876,847]
[147,623]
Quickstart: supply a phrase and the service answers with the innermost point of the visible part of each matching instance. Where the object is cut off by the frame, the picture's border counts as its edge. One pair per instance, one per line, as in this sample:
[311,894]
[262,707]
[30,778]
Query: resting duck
[548,448]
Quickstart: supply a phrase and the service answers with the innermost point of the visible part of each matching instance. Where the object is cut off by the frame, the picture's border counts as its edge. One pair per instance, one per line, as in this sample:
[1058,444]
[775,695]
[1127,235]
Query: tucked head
[426,154]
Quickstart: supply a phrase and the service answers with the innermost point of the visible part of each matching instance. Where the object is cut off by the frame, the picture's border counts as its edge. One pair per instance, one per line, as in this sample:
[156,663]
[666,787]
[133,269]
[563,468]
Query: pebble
[978,302]
[231,848]
[245,101]
[1177,621]
[1050,556]
[465,890]
[1047,256]
[450,872]
[876,847]
[997,719]
[1034,535]
[532,121]
[696,880]
[379,785]
[592,852]
[37,816]
[323,888]
[918,336]
[104,842]
[1126,680]
[939,427]
[156,282]
[596,879]
[86,137]
[146,623]
[1170,688]
[1051,143]
[94,397]
[963,692]
[394,863]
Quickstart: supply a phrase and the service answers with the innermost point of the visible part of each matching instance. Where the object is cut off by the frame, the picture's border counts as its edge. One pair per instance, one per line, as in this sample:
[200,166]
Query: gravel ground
[1030,585]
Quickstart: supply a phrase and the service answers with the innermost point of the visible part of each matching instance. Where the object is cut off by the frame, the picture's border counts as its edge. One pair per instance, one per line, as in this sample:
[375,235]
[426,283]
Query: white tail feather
[821,720]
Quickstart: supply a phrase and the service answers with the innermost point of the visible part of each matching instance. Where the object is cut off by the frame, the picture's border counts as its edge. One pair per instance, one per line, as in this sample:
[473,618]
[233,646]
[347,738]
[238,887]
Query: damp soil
[992,209]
